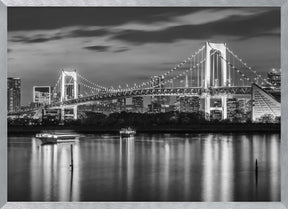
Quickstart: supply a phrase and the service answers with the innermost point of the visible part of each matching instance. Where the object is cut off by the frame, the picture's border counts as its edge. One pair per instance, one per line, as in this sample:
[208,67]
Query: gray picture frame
[4,4]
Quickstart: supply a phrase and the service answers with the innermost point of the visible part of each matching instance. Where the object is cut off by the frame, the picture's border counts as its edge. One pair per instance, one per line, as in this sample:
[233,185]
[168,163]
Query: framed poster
[136,105]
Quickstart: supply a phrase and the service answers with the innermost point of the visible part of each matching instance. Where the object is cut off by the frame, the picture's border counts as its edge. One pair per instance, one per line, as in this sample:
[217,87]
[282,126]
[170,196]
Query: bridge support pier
[224,107]
[69,112]
[208,108]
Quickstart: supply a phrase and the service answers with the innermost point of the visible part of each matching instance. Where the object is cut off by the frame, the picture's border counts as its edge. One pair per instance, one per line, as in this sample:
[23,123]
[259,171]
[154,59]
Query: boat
[127,132]
[53,138]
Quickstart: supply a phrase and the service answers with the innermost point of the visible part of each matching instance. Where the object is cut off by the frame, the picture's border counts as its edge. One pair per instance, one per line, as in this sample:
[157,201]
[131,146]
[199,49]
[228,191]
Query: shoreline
[195,128]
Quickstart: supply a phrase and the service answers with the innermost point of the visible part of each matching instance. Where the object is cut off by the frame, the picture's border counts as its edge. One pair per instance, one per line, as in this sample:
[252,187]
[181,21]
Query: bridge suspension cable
[92,83]
[56,85]
[194,67]
[243,76]
[258,76]
[168,72]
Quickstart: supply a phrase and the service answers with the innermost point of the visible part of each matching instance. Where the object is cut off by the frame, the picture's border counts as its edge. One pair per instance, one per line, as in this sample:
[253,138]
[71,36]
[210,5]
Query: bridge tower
[69,90]
[215,74]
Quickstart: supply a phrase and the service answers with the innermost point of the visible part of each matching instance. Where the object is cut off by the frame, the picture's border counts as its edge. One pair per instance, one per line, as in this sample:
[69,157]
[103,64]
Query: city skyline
[134,45]
[144,104]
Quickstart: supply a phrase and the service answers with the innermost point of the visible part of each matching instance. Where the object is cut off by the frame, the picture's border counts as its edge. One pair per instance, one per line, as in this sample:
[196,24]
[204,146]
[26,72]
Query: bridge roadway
[236,91]
[179,91]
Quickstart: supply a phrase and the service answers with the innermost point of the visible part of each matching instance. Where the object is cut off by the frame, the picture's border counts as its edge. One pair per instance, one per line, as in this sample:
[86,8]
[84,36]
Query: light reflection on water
[158,167]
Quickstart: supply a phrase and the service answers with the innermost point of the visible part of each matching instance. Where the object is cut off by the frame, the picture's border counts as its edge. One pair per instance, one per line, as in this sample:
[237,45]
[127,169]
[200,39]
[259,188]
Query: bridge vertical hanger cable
[228,70]
[192,63]
[217,69]
[198,68]
[54,91]
[213,70]
[202,67]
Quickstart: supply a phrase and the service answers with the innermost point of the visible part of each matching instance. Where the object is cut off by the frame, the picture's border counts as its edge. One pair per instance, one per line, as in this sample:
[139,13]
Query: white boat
[53,138]
[127,132]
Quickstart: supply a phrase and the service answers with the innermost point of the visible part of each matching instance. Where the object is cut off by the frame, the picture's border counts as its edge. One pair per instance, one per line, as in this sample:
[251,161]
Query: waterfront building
[168,108]
[231,108]
[121,105]
[13,94]
[274,77]
[154,107]
[189,104]
[137,104]
[42,95]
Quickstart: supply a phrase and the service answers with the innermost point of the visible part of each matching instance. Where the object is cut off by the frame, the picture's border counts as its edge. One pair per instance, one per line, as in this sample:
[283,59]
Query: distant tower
[13,94]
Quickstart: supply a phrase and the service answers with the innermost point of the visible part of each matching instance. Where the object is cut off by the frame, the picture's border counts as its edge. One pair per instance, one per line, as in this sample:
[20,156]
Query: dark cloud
[236,25]
[54,18]
[88,33]
[40,38]
[98,48]
[239,26]
[122,49]
[35,38]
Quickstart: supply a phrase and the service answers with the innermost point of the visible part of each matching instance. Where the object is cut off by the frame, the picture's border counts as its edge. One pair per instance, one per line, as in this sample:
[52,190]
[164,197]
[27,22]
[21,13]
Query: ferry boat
[53,138]
[127,132]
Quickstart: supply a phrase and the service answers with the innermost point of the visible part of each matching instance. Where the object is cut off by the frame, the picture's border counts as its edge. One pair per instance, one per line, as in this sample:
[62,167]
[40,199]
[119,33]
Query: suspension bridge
[213,71]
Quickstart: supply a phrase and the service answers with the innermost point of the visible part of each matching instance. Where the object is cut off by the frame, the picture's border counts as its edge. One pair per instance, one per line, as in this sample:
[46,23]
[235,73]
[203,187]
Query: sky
[114,46]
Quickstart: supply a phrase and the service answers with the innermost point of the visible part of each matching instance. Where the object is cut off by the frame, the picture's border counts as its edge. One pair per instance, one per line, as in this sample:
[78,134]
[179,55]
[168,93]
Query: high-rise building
[137,103]
[274,77]
[189,104]
[42,94]
[13,94]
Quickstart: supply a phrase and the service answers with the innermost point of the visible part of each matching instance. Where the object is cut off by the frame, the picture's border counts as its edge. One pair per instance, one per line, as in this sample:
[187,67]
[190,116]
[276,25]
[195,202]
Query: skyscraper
[13,94]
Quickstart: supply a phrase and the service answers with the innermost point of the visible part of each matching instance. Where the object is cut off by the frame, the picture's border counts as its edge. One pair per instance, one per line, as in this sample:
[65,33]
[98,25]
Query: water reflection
[182,167]
[51,175]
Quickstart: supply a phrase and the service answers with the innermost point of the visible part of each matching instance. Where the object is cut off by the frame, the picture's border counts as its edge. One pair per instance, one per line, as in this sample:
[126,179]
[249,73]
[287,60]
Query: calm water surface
[150,167]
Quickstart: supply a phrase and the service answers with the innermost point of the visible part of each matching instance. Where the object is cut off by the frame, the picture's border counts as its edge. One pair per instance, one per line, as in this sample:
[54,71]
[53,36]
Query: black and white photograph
[144,104]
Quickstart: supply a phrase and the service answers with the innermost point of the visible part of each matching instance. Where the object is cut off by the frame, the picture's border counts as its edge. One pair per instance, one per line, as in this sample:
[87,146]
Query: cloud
[238,26]
[99,48]
[235,25]
[54,18]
